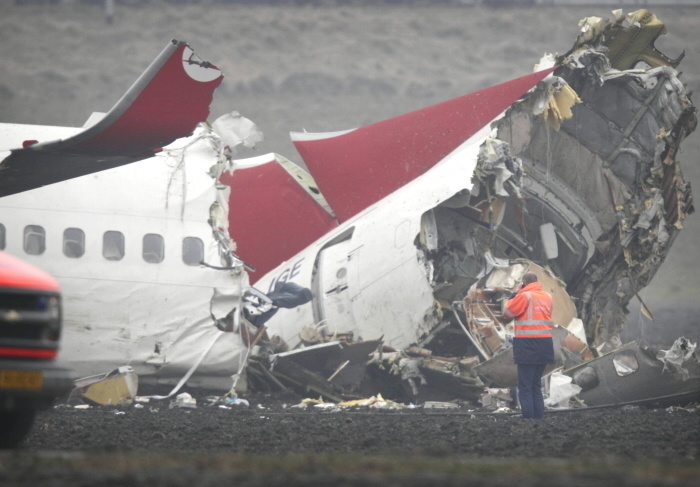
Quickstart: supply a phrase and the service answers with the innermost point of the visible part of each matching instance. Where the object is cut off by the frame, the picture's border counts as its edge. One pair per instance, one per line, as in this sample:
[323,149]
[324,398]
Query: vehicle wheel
[15,426]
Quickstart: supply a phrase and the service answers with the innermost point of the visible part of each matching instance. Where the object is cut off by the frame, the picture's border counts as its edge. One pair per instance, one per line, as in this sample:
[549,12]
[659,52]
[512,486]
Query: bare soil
[272,443]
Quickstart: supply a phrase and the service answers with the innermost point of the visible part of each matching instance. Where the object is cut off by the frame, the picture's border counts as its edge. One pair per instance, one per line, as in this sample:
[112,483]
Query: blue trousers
[530,390]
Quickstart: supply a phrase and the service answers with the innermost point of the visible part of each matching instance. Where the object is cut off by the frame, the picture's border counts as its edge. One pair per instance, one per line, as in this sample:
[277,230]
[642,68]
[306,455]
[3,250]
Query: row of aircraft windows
[113,245]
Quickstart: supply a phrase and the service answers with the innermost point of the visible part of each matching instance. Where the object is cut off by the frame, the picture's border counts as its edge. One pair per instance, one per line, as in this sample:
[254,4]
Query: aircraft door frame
[336,274]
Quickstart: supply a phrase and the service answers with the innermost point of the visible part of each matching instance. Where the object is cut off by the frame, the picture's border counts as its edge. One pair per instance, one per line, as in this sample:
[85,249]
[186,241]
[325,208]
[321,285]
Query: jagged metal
[617,153]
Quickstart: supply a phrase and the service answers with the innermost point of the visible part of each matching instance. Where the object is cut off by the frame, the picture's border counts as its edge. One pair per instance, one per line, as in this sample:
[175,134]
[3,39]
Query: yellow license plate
[21,379]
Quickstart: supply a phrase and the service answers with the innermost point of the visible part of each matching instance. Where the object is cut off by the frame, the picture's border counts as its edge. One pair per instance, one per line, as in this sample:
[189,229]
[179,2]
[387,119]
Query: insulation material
[235,130]
[561,390]
[496,162]
[559,106]
[681,351]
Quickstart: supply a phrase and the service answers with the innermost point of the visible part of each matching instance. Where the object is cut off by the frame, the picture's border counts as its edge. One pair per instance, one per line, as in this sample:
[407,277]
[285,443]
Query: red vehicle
[30,333]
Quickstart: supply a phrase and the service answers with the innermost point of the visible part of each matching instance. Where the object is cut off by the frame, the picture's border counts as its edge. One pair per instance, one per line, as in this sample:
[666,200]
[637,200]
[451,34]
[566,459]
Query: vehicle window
[113,245]
[625,363]
[192,250]
[34,240]
[73,243]
[2,236]
[153,248]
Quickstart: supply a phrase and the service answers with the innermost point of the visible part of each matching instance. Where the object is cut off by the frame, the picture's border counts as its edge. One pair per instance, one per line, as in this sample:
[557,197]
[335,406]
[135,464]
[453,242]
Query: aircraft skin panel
[358,168]
[335,270]
[384,272]
[157,317]
[112,302]
[103,192]
[271,216]
[164,345]
[166,103]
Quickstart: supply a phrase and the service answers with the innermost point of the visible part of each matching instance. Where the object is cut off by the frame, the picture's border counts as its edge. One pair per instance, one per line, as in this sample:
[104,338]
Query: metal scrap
[114,388]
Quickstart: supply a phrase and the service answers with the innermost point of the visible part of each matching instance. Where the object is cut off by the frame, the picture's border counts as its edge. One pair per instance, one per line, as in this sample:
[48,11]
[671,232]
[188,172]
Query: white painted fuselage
[368,276]
[125,245]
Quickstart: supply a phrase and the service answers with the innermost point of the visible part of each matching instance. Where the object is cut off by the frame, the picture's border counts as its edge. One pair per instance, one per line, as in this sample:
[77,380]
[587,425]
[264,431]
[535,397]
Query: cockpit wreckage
[384,268]
[578,180]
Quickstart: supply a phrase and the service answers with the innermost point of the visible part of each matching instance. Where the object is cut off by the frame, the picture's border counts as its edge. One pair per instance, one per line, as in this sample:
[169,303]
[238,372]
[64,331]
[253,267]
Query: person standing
[533,347]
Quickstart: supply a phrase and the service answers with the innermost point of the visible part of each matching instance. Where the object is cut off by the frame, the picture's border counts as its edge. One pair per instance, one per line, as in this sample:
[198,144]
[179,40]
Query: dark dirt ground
[271,443]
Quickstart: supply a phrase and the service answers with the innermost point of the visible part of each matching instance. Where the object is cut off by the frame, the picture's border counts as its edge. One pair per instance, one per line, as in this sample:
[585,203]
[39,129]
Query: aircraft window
[153,248]
[192,250]
[625,363]
[73,243]
[34,239]
[2,236]
[113,245]
[586,378]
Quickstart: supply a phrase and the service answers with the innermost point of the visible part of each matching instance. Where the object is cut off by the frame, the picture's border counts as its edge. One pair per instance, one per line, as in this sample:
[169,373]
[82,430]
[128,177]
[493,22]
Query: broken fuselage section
[578,181]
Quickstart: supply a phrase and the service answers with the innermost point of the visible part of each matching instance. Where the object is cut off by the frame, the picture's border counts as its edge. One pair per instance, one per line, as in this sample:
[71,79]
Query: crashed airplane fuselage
[577,178]
[406,234]
[127,247]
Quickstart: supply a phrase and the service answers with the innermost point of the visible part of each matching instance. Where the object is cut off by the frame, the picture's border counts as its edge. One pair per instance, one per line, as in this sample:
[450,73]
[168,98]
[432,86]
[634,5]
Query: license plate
[21,379]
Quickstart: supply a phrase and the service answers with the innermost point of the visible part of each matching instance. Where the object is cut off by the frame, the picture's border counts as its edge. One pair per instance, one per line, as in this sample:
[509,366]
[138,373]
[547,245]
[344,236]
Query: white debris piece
[325,405]
[183,400]
[561,390]
[673,359]
[237,401]
[235,130]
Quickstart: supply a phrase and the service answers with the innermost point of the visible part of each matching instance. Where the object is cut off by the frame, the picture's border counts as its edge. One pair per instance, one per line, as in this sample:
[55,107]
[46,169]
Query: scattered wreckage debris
[184,400]
[415,375]
[636,373]
[115,388]
[333,369]
[374,402]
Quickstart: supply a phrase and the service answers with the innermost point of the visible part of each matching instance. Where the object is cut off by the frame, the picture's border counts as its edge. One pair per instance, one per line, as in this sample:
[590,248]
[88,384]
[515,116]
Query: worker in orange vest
[533,348]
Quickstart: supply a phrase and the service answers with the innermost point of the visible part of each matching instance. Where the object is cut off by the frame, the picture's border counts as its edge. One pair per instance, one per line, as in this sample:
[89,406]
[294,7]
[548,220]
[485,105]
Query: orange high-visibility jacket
[532,310]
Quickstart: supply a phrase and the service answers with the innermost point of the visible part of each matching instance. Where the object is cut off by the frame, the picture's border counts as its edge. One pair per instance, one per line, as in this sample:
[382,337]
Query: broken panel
[578,180]
[638,373]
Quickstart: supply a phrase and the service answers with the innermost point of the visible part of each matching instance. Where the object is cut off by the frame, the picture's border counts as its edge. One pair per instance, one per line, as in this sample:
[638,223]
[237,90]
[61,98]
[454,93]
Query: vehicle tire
[15,426]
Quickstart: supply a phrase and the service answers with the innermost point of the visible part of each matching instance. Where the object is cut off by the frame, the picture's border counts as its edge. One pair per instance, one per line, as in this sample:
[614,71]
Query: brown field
[273,444]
